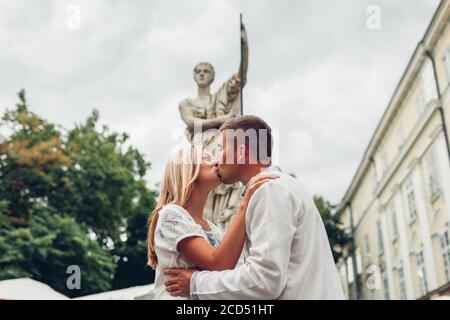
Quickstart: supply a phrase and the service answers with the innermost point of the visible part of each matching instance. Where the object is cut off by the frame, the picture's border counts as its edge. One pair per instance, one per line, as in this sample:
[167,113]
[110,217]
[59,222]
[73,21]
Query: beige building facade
[397,207]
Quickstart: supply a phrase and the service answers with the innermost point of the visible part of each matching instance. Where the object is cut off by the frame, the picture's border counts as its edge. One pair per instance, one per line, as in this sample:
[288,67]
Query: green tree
[47,246]
[71,197]
[104,181]
[29,158]
[336,235]
[131,254]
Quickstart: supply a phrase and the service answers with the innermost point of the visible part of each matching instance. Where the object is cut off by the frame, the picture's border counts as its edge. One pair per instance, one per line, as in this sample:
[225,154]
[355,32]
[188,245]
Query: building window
[432,175]
[371,294]
[400,138]
[447,65]
[350,273]
[358,261]
[378,168]
[367,255]
[445,247]
[393,216]
[385,163]
[411,199]
[343,272]
[375,178]
[421,272]
[380,238]
[401,282]
[385,281]
[421,103]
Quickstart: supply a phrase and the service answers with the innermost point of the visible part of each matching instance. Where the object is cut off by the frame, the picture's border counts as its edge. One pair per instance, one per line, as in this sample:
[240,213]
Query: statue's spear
[242,69]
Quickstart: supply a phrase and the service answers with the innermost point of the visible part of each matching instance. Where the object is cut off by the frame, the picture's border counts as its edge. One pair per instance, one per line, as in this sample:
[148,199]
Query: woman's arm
[226,255]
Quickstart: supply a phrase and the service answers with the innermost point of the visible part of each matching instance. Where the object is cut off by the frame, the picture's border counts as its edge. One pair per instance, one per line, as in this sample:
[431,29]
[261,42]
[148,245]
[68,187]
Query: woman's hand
[255,183]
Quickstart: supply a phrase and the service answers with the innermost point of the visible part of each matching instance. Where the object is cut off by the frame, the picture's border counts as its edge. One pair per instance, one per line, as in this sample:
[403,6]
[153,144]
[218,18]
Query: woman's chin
[211,183]
[216,182]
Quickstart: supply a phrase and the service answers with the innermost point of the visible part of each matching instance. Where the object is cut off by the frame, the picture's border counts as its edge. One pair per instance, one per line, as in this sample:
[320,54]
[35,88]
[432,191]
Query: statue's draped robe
[223,201]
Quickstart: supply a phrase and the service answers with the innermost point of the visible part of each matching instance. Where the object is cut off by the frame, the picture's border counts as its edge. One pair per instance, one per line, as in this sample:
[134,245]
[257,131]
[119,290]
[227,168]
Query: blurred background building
[397,207]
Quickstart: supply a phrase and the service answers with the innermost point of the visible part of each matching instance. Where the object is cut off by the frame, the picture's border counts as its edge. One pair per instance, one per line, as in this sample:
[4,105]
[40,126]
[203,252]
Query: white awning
[132,293]
[28,289]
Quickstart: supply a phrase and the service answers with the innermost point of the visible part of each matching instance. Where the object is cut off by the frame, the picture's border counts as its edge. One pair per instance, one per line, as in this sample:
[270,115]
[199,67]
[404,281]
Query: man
[287,253]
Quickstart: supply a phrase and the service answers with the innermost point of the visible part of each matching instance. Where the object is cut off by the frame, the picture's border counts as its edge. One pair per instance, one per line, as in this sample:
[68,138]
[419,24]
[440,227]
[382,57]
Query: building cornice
[435,28]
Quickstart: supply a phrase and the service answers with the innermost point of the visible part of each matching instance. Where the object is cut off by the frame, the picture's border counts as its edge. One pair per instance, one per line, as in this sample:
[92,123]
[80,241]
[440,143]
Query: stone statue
[211,111]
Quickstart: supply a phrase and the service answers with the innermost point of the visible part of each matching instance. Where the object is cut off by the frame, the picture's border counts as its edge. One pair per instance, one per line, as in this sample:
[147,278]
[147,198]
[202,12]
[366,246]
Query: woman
[178,235]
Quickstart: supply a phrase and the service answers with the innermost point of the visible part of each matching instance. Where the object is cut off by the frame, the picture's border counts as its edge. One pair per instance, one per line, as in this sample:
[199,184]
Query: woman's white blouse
[175,224]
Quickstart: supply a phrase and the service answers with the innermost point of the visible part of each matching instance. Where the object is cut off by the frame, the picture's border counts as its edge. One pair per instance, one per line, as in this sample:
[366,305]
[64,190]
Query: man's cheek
[223,157]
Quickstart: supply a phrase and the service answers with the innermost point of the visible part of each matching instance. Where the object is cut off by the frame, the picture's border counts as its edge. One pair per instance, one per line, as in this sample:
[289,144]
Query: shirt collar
[272,168]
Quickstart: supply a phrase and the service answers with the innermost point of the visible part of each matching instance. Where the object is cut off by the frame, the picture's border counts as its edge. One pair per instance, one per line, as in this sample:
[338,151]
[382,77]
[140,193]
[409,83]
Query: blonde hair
[181,171]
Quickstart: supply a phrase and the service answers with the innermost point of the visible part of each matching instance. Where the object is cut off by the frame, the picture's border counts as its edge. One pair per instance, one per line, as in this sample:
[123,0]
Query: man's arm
[272,217]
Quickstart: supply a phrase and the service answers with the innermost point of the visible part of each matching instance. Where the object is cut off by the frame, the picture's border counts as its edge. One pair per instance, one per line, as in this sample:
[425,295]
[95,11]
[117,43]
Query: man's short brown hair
[262,129]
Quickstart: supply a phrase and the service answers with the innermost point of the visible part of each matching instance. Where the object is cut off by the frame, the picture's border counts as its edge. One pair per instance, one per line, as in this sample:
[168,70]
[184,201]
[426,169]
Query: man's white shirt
[287,253]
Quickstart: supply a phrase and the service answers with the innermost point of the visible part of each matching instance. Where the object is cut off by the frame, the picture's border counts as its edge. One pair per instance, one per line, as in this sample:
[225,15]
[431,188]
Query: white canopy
[28,289]
[132,293]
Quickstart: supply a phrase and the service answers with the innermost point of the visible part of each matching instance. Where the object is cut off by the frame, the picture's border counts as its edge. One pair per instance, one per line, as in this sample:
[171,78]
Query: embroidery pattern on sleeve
[171,218]
[212,239]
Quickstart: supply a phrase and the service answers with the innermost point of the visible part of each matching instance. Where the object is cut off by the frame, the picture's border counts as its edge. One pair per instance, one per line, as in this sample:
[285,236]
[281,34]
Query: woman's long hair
[181,171]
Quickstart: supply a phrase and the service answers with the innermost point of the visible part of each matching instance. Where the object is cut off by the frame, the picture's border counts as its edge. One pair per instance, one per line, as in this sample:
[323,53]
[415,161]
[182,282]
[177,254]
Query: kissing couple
[287,254]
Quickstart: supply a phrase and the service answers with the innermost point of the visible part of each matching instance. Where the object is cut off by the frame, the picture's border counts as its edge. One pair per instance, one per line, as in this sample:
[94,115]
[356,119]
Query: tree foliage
[336,235]
[48,246]
[71,197]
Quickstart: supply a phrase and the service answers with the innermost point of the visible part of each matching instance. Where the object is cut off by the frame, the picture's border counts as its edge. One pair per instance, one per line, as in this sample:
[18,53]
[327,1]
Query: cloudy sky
[317,72]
